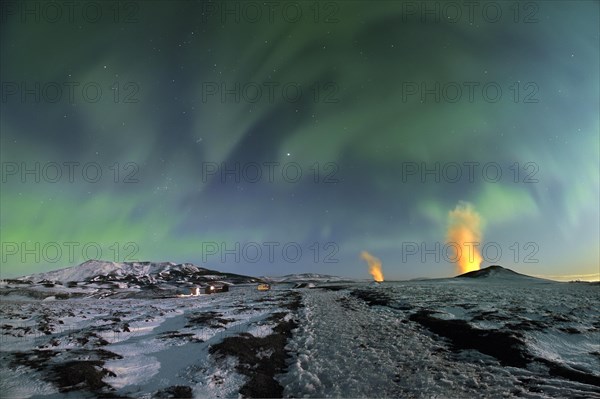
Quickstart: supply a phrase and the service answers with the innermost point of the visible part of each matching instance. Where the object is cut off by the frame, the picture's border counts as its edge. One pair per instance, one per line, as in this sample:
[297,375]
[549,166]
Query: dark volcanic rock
[504,346]
[69,370]
[252,361]
[373,297]
[176,391]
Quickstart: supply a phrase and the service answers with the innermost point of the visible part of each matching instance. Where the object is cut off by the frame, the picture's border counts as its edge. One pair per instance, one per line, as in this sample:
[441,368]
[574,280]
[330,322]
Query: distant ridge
[137,273]
[498,272]
[304,277]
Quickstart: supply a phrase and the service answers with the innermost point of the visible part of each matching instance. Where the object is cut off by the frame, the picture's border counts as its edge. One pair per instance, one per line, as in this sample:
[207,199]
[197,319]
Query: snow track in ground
[347,349]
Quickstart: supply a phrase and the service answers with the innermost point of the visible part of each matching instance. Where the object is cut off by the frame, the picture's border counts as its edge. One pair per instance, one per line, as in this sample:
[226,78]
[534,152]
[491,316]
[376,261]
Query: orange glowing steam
[374,266]
[464,235]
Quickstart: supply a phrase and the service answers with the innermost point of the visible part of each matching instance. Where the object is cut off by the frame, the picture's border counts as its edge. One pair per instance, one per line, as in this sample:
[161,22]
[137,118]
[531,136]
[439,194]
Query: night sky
[325,114]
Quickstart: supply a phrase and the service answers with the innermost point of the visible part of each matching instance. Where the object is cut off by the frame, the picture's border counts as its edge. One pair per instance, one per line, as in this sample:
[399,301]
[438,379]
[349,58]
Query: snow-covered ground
[442,338]
[349,348]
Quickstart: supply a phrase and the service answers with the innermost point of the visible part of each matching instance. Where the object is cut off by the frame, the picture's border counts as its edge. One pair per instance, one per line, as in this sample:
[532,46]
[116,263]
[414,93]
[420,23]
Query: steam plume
[464,234]
[374,265]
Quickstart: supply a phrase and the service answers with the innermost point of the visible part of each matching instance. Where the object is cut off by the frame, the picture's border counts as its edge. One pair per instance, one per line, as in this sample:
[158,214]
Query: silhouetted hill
[496,272]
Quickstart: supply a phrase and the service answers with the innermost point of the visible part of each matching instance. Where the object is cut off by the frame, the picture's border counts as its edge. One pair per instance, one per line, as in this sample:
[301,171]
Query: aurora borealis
[346,125]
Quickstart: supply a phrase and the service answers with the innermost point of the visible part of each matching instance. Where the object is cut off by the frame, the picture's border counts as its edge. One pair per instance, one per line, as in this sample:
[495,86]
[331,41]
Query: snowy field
[440,338]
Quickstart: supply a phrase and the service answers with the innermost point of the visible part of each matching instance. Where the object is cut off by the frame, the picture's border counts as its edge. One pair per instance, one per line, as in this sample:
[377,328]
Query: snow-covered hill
[93,268]
[102,279]
[156,272]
